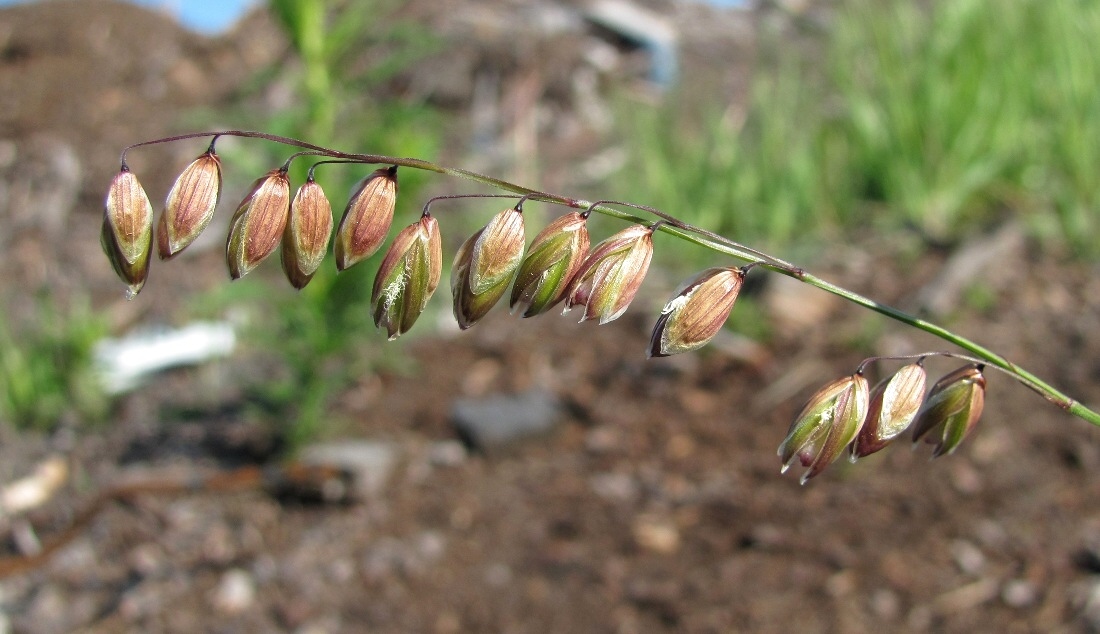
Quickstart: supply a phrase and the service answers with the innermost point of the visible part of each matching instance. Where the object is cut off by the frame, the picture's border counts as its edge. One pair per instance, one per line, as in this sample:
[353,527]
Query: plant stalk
[684,231]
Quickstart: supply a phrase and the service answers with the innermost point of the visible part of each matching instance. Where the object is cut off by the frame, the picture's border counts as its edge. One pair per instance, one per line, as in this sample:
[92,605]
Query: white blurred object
[35,489]
[124,363]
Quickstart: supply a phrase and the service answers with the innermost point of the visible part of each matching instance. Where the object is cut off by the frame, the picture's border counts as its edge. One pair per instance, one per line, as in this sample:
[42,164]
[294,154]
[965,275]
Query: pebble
[656,535]
[498,575]
[885,604]
[341,571]
[992,535]
[447,453]
[968,557]
[236,592]
[493,422]
[1019,593]
[430,546]
[146,559]
[680,447]
[603,439]
[615,487]
[841,583]
[965,478]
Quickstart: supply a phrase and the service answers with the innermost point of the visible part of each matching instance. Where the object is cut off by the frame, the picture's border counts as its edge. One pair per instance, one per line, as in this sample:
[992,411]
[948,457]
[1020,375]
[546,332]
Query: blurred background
[540,475]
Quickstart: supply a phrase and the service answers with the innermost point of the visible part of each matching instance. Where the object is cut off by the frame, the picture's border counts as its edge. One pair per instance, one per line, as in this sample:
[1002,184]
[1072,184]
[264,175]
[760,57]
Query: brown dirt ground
[656,506]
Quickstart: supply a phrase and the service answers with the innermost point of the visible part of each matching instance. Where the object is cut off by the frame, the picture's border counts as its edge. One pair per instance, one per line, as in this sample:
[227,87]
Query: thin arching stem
[684,231]
[428,203]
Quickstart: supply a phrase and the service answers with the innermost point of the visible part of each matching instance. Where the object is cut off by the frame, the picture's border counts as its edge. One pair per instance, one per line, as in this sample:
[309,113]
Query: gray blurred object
[493,422]
[653,33]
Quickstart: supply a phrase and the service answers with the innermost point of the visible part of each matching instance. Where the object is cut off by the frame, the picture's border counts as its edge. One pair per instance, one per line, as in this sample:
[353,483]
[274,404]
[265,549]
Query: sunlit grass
[944,117]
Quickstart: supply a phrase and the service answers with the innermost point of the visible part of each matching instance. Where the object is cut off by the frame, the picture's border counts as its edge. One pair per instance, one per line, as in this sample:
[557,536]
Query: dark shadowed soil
[655,504]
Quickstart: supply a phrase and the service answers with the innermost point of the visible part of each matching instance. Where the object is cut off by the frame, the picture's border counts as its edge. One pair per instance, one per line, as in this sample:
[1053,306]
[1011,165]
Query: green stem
[1023,376]
[694,235]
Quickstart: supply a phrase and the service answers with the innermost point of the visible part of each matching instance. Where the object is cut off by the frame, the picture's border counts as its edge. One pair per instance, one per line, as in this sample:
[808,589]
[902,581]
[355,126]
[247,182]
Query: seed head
[407,277]
[257,225]
[827,424]
[555,256]
[190,205]
[952,409]
[611,275]
[484,266]
[367,218]
[127,233]
[307,233]
[894,404]
[695,315]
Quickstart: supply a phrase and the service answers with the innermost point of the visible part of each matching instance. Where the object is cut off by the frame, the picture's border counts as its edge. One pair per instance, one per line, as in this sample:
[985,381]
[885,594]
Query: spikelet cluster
[846,415]
[559,267]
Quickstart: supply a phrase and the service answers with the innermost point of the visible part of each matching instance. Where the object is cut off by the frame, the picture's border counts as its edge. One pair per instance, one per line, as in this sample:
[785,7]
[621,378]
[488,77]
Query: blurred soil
[655,505]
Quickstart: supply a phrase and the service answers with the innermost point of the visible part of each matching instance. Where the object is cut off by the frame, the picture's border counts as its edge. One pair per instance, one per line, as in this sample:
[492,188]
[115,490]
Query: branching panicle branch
[558,267]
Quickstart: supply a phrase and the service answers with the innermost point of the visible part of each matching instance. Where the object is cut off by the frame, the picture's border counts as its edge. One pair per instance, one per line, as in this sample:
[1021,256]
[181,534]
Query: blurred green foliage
[943,117]
[47,375]
[323,336]
[958,113]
